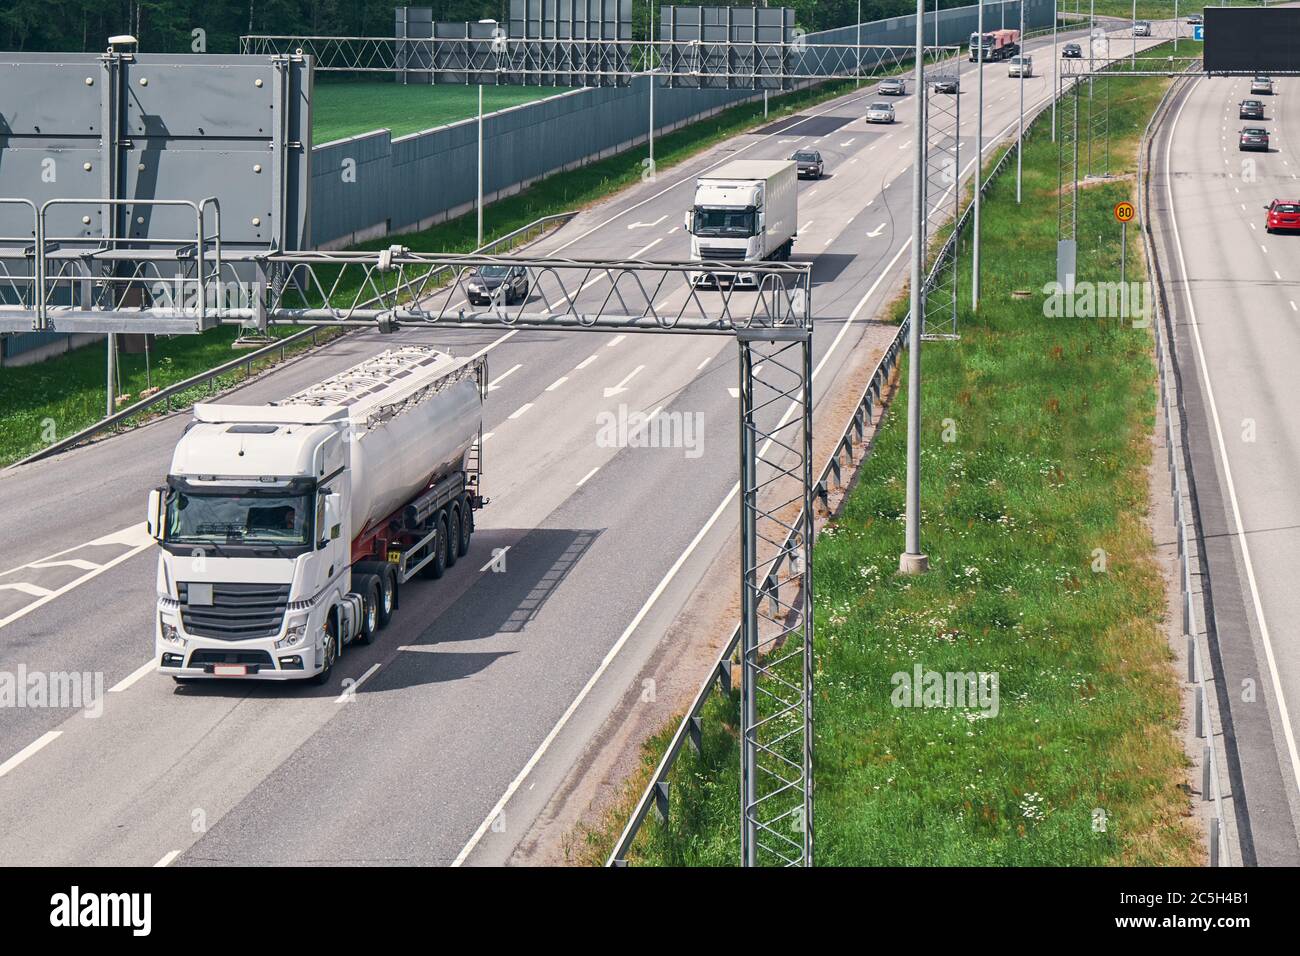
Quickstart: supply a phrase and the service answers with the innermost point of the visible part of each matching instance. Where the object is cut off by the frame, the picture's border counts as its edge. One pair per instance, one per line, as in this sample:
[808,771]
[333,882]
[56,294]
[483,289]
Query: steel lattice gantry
[770,317]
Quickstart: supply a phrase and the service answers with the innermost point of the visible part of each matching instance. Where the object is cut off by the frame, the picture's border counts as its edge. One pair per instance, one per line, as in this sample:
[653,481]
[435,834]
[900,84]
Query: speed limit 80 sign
[1124,211]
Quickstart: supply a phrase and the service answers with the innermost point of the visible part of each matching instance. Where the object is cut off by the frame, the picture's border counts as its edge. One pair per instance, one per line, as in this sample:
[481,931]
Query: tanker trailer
[287,530]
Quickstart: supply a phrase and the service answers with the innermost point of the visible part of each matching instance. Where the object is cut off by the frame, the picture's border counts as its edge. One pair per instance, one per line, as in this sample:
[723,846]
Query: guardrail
[164,396]
[1186,519]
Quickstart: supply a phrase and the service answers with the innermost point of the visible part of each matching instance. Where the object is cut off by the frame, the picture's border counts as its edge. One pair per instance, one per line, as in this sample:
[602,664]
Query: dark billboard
[1252,39]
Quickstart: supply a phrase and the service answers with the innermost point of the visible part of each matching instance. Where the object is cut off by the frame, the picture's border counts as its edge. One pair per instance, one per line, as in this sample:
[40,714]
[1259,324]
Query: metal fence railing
[1186,519]
[164,396]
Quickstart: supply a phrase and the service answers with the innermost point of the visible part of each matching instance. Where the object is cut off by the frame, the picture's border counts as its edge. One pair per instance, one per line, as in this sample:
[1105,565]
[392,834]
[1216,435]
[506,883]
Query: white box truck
[287,530]
[746,210]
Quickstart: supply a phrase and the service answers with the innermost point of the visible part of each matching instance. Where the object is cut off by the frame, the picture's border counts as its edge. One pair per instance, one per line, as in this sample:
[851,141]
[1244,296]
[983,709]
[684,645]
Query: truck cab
[747,210]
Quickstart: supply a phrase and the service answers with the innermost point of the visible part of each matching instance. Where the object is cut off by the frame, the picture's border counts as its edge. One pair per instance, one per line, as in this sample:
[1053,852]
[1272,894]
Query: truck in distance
[747,210]
[287,530]
[996,45]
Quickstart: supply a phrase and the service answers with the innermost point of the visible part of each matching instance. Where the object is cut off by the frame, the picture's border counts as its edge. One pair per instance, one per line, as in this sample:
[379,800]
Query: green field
[1035,446]
[341,109]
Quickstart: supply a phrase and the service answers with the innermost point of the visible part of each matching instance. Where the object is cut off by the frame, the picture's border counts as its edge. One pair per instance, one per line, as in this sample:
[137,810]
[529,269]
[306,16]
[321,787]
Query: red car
[1282,215]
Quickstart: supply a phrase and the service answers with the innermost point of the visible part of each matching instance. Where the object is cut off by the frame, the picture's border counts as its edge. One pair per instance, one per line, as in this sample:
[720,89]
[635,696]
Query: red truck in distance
[997,44]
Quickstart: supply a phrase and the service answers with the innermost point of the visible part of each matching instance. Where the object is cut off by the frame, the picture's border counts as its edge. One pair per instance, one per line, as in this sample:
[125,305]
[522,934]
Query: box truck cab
[747,211]
[286,530]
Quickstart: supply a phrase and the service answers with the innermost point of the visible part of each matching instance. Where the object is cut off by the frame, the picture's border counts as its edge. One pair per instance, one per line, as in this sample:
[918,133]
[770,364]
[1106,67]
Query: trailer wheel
[453,535]
[435,568]
[466,528]
[387,597]
[370,598]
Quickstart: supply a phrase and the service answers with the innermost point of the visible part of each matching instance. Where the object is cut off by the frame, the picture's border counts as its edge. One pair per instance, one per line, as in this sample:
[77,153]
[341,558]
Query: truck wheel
[369,612]
[453,536]
[466,528]
[331,653]
[438,565]
[387,597]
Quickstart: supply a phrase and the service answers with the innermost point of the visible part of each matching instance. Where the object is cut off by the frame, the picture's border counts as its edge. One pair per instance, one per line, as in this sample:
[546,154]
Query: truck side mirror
[686,220]
[333,518]
[154,519]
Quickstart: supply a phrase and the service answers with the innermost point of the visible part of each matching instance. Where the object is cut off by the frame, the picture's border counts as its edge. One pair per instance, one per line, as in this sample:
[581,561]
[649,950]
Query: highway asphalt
[1234,294]
[443,742]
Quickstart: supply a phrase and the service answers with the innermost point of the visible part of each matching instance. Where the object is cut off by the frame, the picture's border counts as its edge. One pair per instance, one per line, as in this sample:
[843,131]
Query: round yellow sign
[1124,211]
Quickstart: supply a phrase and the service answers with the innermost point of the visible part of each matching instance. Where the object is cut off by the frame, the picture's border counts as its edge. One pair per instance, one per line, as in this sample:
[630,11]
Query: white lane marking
[125,536]
[1263,248]
[905,145]
[583,480]
[1252,225]
[647,225]
[704,363]
[1293,306]
[148,667]
[488,435]
[876,232]
[585,362]
[673,229]
[811,193]
[419,648]
[557,383]
[614,341]
[350,691]
[850,219]
[1276,274]
[1265,639]
[622,386]
[849,142]
[502,377]
[521,410]
[79,563]
[733,391]
[635,255]
[491,345]
[35,590]
[496,557]
[167,858]
[36,745]
[806,226]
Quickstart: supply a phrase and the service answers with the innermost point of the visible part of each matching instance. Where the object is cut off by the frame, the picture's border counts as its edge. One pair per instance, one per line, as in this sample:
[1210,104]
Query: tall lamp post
[912,561]
[979,170]
[478,203]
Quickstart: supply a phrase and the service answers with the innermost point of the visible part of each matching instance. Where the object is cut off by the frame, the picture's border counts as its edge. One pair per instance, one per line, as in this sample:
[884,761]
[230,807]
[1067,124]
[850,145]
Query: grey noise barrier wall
[373,185]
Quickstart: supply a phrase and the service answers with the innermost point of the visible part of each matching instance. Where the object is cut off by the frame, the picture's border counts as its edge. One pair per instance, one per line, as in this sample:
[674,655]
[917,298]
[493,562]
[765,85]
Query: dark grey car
[1251,109]
[946,84]
[810,163]
[1072,51]
[504,284]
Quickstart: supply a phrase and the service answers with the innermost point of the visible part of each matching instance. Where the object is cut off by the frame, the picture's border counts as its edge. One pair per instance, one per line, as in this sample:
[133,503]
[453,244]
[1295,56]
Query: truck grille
[238,612]
[721,255]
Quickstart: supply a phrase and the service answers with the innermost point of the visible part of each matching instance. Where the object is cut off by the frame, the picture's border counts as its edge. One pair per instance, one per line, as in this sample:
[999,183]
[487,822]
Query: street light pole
[1056,66]
[1020,131]
[1134,58]
[857,56]
[912,561]
[979,163]
[479,203]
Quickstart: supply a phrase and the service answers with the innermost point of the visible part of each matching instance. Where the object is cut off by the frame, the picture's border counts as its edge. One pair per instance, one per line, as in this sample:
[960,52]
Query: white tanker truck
[287,530]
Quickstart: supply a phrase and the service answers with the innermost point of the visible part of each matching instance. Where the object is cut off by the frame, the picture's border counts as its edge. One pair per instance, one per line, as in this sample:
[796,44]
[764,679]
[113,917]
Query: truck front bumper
[199,657]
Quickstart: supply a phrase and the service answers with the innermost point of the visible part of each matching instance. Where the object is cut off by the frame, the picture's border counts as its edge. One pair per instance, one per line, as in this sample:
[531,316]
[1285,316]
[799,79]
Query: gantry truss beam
[502,60]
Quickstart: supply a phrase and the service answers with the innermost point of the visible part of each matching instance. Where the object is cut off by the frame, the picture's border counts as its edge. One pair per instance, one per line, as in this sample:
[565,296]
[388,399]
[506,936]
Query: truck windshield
[237,518]
[723,222]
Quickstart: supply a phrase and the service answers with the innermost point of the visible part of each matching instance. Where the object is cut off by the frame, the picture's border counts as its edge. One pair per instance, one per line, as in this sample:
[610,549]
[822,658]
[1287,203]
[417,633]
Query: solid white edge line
[36,745]
[1240,534]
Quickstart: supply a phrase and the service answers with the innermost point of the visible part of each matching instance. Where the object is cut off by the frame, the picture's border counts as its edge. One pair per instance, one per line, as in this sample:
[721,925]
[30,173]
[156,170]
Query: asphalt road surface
[442,742]
[1234,294]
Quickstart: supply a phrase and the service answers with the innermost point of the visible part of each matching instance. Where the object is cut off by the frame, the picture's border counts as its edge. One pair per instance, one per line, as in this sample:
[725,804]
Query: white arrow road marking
[647,225]
[876,232]
[849,142]
[622,386]
[28,751]
[502,377]
[35,590]
[80,563]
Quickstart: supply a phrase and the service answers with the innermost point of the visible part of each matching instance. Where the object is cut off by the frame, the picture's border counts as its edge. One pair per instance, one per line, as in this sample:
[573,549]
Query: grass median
[1036,440]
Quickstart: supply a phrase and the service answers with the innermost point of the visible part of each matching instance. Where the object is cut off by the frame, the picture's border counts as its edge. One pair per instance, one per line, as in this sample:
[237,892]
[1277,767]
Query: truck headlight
[294,635]
[170,634]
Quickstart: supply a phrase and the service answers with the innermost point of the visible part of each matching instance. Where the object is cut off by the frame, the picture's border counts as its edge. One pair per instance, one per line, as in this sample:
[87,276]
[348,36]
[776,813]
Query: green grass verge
[1050,422]
[1147,9]
[341,109]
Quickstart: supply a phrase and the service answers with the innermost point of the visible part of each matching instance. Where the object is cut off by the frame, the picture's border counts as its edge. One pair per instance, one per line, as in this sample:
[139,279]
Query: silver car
[1261,84]
[880,112]
[895,86]
[1142,29]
